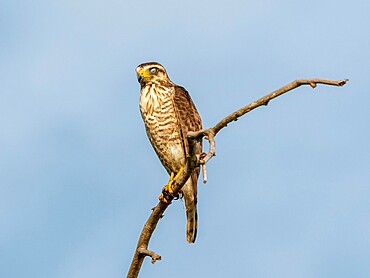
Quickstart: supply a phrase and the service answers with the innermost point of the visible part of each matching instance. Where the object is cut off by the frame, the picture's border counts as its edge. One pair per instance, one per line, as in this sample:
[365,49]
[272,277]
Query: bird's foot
[167,189]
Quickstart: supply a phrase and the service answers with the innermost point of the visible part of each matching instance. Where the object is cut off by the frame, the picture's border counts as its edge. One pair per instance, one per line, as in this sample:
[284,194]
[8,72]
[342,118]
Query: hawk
[169,114]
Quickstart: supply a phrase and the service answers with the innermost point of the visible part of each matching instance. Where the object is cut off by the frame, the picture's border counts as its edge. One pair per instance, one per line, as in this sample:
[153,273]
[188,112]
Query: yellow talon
[162,198]
[168,187]
[167,190]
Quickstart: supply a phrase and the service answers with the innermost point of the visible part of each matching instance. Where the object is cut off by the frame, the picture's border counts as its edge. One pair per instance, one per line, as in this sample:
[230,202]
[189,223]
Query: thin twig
[266,99]
[204,173]
[155,257]
[192,161]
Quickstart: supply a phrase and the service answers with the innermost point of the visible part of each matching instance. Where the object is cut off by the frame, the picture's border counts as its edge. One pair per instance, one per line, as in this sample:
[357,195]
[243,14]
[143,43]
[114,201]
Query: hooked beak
[140,73]
[139,77]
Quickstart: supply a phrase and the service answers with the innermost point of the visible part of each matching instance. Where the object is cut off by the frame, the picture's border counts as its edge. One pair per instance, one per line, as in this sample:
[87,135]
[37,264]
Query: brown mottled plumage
[169,114]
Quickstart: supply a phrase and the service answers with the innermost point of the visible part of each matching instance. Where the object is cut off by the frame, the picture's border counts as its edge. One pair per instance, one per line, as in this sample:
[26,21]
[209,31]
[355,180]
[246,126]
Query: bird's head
[151,72]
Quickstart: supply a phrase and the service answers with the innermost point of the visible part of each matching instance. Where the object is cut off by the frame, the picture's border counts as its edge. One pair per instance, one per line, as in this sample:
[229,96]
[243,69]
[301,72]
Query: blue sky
[288,192]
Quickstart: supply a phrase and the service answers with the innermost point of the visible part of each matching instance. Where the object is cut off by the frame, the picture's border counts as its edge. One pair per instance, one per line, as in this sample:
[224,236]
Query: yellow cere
[143,73]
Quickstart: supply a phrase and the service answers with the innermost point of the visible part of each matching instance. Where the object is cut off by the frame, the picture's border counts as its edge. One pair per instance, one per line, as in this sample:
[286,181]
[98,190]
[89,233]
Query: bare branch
[192,161]
[210,136]
[149,253]
[266,99]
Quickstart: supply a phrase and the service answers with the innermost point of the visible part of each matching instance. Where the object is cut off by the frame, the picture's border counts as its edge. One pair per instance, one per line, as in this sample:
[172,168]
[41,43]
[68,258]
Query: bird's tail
[190,195]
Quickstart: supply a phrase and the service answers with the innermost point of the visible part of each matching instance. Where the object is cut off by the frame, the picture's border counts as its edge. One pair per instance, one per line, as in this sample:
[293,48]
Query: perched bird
[169,114]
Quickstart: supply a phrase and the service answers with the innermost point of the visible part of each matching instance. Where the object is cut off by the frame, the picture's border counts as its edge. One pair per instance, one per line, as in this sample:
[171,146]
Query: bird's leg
[178,174]
[167,189]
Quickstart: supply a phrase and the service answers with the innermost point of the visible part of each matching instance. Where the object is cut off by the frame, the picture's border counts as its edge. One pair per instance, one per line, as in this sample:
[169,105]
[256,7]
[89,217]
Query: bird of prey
[169,114]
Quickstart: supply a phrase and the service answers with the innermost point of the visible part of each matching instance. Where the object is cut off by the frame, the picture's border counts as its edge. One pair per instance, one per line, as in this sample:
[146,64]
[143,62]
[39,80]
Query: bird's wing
[188,118]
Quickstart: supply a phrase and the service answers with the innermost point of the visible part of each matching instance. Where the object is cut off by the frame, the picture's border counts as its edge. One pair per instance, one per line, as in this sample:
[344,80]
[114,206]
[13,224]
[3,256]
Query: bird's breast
[158,112]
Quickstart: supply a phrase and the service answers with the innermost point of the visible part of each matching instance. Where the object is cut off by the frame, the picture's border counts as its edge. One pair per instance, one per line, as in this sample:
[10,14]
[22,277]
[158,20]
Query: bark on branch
[192,161]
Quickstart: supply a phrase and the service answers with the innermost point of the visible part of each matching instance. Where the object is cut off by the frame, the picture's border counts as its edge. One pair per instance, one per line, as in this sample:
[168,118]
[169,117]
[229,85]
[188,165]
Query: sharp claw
[162,198]
[167,189]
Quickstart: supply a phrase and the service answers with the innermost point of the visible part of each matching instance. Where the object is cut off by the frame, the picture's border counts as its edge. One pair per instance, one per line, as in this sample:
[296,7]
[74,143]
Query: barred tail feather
[191,211]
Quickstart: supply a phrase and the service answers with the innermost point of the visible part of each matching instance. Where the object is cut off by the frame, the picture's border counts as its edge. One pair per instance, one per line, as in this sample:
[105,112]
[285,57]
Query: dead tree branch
[192,161]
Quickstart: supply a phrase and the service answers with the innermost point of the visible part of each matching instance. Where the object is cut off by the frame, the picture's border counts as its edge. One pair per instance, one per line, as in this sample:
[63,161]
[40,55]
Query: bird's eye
[153,69]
